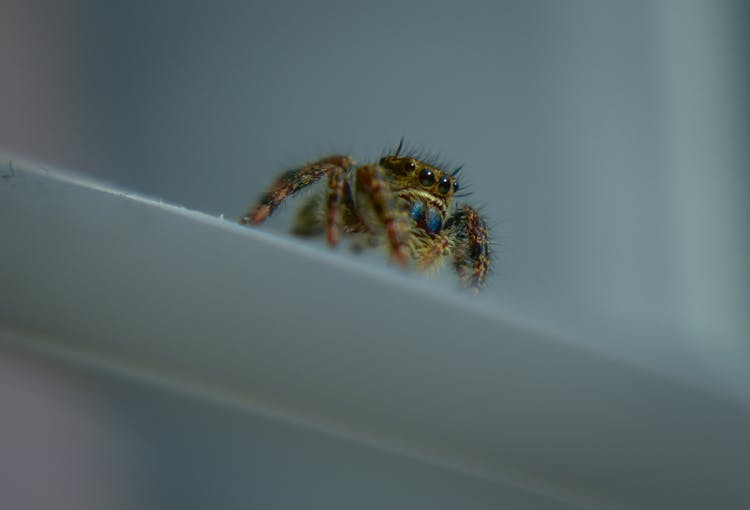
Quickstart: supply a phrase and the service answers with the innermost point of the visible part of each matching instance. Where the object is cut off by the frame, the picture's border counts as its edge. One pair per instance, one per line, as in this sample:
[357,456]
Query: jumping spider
[404,202]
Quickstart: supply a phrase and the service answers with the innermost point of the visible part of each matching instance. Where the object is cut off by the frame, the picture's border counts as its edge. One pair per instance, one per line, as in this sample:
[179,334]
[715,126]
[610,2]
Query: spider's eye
[410,166]
[426,177]
[455,186]
[382,161]
[444,185]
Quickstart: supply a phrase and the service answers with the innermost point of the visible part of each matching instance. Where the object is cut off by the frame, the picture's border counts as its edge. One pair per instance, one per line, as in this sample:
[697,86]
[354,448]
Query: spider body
[404,203]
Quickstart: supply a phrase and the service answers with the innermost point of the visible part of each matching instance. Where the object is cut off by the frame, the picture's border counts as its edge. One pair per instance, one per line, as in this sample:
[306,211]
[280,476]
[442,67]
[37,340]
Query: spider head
[411,174]
[425,190]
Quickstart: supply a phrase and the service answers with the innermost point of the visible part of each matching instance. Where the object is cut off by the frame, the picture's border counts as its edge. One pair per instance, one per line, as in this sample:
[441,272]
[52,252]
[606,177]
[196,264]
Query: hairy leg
[373,188]
[472,258]
[291,182]
[337,189]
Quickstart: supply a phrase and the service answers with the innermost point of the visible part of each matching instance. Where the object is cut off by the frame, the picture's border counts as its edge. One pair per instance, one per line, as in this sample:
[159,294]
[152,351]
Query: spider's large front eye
[426,177]
[444,185]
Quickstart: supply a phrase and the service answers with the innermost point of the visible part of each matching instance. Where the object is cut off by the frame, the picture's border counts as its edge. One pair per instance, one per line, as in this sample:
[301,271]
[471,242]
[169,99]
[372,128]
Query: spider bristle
[400,146]
[432,159]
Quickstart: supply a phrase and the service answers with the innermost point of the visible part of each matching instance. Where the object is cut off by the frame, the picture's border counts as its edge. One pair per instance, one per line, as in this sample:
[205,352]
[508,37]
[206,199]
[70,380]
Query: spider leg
[471,258]
[325,212]
[291,182]
[375,189]
[337,189]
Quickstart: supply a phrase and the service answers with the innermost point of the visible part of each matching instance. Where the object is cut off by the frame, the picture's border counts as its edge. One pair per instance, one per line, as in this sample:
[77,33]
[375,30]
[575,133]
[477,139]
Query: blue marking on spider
[434,221]
[417,211]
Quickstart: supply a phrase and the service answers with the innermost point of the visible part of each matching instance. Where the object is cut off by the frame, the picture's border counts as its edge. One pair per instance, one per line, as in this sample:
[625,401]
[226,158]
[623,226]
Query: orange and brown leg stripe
[337,189]
[291,182]
[473,261]
[371,183]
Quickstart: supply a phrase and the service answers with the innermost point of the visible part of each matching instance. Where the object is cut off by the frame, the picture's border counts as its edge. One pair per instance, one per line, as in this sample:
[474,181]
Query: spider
[404,203]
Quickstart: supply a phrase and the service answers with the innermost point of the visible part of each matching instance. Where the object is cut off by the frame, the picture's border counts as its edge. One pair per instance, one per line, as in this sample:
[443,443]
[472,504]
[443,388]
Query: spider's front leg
[333,167]
[372,188]
[471,258]
[292,181]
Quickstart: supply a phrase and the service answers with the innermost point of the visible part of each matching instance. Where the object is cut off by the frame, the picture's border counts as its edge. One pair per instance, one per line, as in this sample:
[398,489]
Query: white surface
[326,341]
[75,436]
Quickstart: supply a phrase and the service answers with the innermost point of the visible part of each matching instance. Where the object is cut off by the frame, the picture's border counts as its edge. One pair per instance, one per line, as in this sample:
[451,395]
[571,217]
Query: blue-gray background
[606,140]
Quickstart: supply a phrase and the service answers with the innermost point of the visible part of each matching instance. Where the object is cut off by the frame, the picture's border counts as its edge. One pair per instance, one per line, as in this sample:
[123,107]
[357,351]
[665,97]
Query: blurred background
[606,140]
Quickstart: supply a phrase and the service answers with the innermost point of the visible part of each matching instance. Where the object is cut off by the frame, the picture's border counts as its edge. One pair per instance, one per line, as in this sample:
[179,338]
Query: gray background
[302,338]
[88,439]
[606,140]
